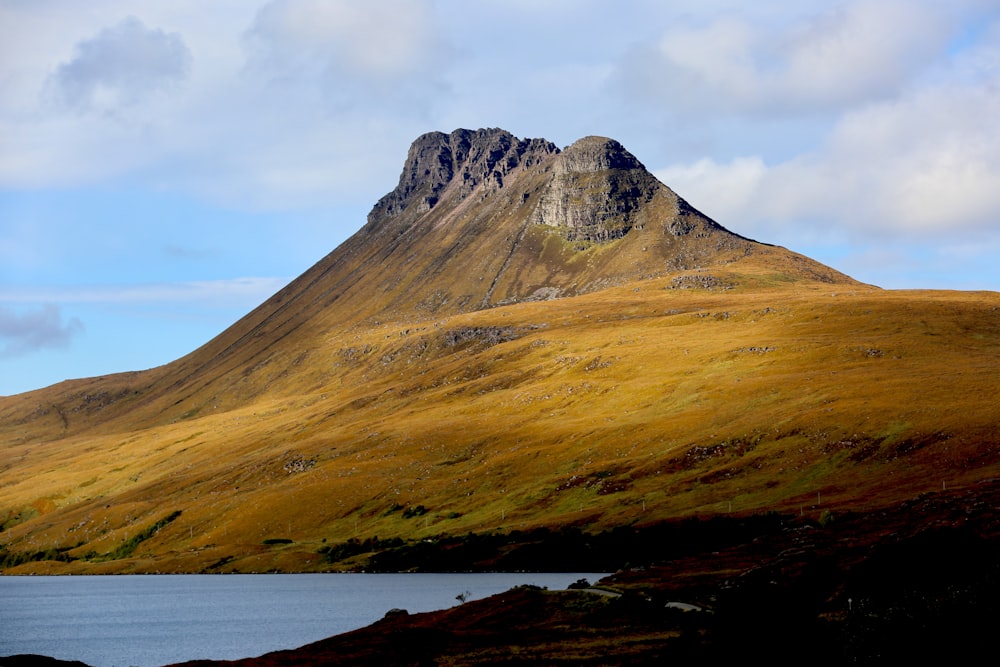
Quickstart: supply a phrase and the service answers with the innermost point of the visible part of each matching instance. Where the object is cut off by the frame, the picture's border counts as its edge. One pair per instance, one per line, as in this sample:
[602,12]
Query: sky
[167,165]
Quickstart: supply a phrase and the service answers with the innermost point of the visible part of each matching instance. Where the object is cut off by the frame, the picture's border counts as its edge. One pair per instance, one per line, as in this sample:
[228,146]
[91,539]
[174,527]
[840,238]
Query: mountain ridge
[518,336]
[512,220]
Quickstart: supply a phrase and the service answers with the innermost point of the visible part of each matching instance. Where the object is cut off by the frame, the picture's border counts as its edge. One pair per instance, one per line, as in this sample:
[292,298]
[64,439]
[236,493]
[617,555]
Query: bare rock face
[595,193]
[460,161]
[596,154]
[596,187]
[482,218]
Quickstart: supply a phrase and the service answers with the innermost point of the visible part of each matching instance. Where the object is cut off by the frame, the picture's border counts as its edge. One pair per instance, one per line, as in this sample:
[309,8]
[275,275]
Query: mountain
[479,219]
[518,337]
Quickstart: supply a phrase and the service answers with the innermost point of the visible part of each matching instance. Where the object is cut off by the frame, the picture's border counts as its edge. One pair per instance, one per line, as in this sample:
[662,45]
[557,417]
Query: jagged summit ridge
[594,190]
[464,160]
[593,154]
[481,218]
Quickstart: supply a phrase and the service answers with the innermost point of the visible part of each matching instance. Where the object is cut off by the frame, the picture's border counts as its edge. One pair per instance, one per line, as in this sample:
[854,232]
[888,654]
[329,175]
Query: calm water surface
[161,619]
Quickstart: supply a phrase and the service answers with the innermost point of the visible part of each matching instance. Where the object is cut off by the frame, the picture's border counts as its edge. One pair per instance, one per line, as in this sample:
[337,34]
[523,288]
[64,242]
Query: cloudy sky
[166,165]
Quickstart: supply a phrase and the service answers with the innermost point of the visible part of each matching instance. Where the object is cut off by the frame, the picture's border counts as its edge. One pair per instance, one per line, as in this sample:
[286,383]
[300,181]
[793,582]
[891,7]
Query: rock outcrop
[482,218]
[460,161]
[596,188]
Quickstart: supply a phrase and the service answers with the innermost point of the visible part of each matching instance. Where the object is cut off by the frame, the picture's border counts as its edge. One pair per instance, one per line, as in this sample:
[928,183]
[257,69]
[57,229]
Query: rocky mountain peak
[595,192]
[461,161]
[593,154]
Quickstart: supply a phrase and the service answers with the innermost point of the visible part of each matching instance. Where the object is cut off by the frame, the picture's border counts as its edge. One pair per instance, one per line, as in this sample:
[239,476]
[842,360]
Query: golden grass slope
[412,265]
[730,389]
[425,364]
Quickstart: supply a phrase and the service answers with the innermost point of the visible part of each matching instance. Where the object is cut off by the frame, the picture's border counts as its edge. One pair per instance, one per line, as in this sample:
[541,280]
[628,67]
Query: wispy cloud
[919,166]
[176,251]
[119,67]
[733,64]
[345,46]
[239,290]
[27,332]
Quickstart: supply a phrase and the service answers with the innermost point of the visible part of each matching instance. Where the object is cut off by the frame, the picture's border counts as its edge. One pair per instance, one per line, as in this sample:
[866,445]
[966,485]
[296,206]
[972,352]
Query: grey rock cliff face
[596,188]
[596,154]
[460,161]
[595,191]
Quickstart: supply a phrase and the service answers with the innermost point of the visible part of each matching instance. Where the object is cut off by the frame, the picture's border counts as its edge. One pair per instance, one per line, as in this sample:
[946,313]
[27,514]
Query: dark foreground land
[917,581]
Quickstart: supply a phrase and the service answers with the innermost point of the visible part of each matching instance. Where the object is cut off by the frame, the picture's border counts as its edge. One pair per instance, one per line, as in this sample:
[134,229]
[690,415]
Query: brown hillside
[517,337]
[478,219]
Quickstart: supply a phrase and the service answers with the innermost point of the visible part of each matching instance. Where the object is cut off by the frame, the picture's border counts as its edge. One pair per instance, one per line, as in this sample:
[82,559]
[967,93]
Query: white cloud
[723,191]
[119,67]
[384,39]
[120,79]
[283,105]
[68,150]
[736,63]
[924,163]
[931,161]
[249,290]
[385,51]
[861,51]
[23,333]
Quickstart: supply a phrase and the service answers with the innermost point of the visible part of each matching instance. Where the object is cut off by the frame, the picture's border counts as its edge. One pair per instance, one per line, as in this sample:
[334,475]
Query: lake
[152,620]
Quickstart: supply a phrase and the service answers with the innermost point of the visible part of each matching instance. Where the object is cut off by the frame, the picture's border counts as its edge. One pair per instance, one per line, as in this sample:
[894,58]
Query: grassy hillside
[735,389]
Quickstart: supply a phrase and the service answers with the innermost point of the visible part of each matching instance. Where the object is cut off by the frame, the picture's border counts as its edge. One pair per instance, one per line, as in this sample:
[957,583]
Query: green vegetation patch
[10,559]
[129,546]
[354,547]
[12,518]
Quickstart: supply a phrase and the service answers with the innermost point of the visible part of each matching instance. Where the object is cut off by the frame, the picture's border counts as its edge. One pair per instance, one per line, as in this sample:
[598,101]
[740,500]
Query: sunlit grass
[630,404]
